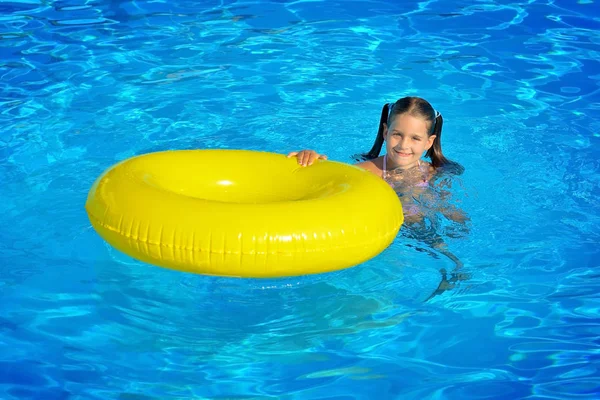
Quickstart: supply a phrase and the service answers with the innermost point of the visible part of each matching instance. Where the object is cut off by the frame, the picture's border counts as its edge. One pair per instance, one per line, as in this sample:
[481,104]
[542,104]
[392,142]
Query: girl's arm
[449,210]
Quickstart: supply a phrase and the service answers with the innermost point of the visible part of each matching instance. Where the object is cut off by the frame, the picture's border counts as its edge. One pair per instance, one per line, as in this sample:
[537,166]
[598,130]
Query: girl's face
[406,140]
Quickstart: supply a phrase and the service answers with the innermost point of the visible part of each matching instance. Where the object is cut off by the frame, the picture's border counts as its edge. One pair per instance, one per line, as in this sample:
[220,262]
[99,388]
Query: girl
[410,127]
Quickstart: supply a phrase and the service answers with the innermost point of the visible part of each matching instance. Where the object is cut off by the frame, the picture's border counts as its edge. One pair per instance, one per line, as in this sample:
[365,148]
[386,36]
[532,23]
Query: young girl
[410,127]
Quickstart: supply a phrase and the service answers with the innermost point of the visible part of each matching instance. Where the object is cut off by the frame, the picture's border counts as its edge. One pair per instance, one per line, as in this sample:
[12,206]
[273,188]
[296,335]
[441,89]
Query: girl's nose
[404,143]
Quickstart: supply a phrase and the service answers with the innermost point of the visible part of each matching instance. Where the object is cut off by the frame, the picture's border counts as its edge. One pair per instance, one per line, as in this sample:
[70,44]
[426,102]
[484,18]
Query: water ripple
[84,85]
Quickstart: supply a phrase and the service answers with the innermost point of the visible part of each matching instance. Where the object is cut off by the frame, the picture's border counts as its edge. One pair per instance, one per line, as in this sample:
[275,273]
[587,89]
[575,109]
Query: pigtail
[435,151]
[378,144]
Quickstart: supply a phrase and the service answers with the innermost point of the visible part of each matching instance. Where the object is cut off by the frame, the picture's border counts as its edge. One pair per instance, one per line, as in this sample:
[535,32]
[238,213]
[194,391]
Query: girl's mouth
[401,154]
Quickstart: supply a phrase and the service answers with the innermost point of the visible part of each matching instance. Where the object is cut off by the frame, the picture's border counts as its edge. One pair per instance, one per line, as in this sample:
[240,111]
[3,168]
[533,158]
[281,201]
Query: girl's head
[410,127]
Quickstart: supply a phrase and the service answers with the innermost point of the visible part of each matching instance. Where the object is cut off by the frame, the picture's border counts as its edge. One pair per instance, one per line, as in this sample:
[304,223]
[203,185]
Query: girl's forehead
[410,124]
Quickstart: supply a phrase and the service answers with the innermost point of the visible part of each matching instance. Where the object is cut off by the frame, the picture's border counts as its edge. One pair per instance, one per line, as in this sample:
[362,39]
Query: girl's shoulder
[428,168]
[425,165]
[375,165]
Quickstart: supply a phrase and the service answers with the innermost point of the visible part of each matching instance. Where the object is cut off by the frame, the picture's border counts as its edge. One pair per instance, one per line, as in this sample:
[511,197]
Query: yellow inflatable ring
[243,213]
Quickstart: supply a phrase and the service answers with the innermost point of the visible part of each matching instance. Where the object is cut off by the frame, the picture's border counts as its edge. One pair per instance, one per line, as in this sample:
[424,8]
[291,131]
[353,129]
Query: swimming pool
[86,84]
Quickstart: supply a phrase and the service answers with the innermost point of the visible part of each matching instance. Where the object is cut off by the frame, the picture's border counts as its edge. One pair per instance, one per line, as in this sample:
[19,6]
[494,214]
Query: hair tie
[436,114]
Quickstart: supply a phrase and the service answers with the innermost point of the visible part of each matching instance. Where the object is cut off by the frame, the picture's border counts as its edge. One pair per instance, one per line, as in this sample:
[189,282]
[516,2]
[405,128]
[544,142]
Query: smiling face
[406,140]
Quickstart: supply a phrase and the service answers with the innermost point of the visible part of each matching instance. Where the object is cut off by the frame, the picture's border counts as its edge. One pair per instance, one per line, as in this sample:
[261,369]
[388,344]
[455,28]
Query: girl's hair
[416,107]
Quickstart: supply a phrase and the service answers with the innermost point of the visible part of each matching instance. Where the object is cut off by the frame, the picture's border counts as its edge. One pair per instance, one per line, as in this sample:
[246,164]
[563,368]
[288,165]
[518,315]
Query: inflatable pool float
[243,213]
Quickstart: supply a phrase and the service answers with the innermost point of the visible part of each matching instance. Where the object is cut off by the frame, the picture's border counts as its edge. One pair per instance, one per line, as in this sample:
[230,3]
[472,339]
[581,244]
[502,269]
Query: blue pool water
[85,84]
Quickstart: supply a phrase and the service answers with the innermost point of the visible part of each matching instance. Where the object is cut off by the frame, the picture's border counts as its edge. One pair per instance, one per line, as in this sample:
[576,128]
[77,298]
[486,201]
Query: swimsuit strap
[425,174]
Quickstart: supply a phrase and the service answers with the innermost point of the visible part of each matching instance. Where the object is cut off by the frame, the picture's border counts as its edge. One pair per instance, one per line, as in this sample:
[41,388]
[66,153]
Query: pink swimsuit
[409,207]
[423,183]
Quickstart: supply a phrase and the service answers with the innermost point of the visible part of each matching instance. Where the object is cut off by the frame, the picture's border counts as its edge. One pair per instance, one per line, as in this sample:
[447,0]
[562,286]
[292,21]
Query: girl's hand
[307,157]
[456,215]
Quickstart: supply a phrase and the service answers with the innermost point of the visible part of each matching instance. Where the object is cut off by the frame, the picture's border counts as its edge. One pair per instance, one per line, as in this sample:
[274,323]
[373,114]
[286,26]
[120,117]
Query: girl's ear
[385,131]
[430,141]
